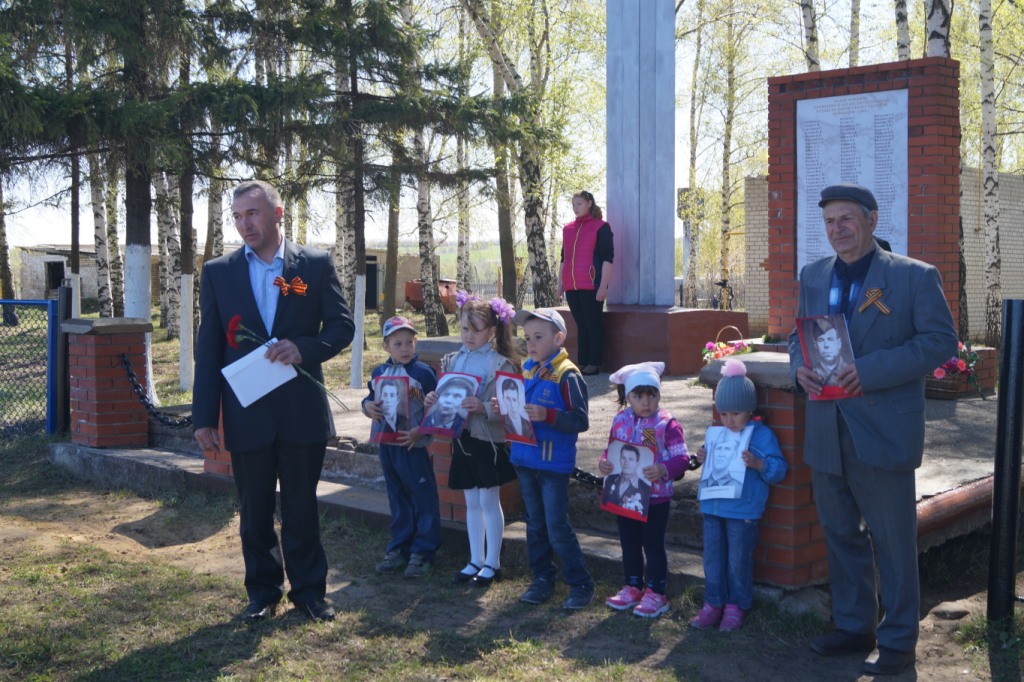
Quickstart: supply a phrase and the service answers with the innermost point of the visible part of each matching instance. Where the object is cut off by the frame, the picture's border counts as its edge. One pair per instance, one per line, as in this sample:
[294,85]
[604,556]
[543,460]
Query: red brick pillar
[791,551]
[218,461]
[105,411]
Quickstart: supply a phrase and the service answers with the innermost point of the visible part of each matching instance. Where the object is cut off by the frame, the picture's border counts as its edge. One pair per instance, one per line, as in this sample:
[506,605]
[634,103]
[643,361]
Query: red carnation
[233,326]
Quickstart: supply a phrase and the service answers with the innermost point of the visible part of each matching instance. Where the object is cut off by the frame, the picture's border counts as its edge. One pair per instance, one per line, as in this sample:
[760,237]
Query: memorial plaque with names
[851,138]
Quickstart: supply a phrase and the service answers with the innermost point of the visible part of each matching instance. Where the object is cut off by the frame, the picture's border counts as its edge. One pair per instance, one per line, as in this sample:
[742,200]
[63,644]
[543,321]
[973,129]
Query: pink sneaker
[732,619]
[651,605]
[707,618]
[627,597]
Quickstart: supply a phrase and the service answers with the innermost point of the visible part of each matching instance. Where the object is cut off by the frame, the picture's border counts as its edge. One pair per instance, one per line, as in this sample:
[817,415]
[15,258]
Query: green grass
[78,610]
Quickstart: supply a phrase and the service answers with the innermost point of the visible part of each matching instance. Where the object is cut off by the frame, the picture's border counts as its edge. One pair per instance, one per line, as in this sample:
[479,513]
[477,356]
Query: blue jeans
[546,498]
[729,560]
[412,496]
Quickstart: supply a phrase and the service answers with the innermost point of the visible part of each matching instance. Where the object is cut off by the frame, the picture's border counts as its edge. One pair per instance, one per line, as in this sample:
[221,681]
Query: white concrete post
[641,150]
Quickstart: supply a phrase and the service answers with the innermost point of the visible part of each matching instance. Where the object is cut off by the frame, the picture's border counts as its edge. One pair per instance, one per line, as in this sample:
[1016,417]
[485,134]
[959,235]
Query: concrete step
[354,463]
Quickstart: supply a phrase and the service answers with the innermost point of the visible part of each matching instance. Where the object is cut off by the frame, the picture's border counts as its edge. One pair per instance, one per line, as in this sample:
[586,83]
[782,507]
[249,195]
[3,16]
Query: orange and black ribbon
[297,286]
[874,297]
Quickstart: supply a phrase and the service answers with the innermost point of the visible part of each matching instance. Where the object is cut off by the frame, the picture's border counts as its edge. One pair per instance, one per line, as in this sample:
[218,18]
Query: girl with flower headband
[480,456]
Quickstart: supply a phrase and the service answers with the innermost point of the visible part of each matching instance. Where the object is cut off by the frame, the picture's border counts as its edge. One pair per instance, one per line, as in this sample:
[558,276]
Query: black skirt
[479,464]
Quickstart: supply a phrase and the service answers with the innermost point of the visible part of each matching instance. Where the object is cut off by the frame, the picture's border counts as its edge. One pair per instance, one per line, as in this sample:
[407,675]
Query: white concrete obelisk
[641,149]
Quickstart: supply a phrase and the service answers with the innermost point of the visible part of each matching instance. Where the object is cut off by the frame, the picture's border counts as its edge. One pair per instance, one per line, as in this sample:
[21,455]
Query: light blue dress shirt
[261,278]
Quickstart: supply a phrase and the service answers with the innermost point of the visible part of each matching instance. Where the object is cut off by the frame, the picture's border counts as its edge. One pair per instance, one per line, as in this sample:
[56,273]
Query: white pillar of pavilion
[641,149]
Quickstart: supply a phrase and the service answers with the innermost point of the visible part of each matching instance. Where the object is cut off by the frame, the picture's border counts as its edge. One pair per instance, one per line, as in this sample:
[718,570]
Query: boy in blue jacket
[408,472]
[556,402]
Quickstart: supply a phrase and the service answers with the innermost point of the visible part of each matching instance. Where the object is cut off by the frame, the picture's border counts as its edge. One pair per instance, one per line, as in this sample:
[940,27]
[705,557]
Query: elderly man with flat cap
[863,449]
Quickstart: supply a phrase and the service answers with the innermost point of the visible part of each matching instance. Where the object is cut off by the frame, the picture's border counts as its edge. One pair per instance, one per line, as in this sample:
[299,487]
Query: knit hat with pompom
[735,392]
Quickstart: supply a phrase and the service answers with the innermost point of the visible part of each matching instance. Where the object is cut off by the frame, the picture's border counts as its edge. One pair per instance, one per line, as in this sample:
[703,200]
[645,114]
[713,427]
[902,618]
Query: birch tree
[902,32]
[462,201]
[433,313]
[170,253]
[99,237]
[729,49]
[114,259]
[10,313]
[810,35]
[854,33]
[503,195]
[937,27]
[990,179]
[692,199]
[530,156]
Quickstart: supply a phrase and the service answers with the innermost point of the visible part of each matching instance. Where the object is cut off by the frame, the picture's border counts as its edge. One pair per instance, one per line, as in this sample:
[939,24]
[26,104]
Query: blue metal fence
[29,361]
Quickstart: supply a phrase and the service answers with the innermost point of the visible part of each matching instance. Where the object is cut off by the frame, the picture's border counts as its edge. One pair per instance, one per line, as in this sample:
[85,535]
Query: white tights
[485,525]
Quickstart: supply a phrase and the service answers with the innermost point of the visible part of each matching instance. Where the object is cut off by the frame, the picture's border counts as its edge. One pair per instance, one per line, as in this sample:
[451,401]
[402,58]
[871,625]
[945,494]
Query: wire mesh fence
[24,331]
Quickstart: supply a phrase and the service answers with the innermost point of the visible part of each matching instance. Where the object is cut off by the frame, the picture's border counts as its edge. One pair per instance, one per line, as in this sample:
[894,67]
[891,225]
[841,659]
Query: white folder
[253,376]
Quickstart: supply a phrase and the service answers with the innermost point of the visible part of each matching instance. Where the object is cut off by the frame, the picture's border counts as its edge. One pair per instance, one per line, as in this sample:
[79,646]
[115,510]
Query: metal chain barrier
[593,480]
[176,422]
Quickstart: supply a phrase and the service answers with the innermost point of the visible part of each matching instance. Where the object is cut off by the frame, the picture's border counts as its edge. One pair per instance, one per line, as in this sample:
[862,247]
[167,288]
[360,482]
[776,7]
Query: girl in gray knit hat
[741,457]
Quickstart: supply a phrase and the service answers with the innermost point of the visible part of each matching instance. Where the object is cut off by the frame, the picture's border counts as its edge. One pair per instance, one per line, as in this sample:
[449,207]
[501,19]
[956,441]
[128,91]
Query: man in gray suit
[863,450]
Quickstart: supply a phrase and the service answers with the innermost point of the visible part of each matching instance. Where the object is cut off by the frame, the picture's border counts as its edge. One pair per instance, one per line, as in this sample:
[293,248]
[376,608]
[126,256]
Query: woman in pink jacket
[587,255]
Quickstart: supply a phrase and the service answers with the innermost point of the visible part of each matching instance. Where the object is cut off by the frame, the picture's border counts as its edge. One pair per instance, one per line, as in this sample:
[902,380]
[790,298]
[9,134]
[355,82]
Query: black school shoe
[316,610]
[579,598]
[842,643]
[889,661]
[258,610]
[539,592]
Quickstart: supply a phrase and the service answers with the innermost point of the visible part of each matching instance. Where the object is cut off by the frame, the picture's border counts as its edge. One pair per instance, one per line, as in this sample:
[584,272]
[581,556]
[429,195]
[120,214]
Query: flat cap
[848,191]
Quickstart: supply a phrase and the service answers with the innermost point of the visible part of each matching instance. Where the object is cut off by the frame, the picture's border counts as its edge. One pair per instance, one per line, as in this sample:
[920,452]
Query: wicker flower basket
[722,347]
[948,387]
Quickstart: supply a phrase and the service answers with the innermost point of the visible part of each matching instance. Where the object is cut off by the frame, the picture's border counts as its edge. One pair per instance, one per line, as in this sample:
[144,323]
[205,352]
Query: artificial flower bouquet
[961,364]
[718,349]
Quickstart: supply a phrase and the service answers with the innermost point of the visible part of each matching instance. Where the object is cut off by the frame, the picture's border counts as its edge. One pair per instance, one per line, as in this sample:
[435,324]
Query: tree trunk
[854,33]
[693,218]
[302,218]
[391,257]
[990,180]
[344,207]
[937,28]
[462,199]
[99,236]
[74,126]
[728,115]
[530,167]
[114,259]
[433,313]
[810,35]
[902,32]
[160,205]
[532,182]
[189,320]
[10,313]
[170,255]
[506,240]
[215,197]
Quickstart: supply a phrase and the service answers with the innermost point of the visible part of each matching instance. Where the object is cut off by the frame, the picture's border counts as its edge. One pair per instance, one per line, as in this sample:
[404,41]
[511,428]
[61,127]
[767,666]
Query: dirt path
[139,529]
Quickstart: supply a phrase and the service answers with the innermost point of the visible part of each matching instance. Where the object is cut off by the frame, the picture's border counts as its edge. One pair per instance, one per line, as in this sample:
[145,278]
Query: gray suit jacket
[893,354]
